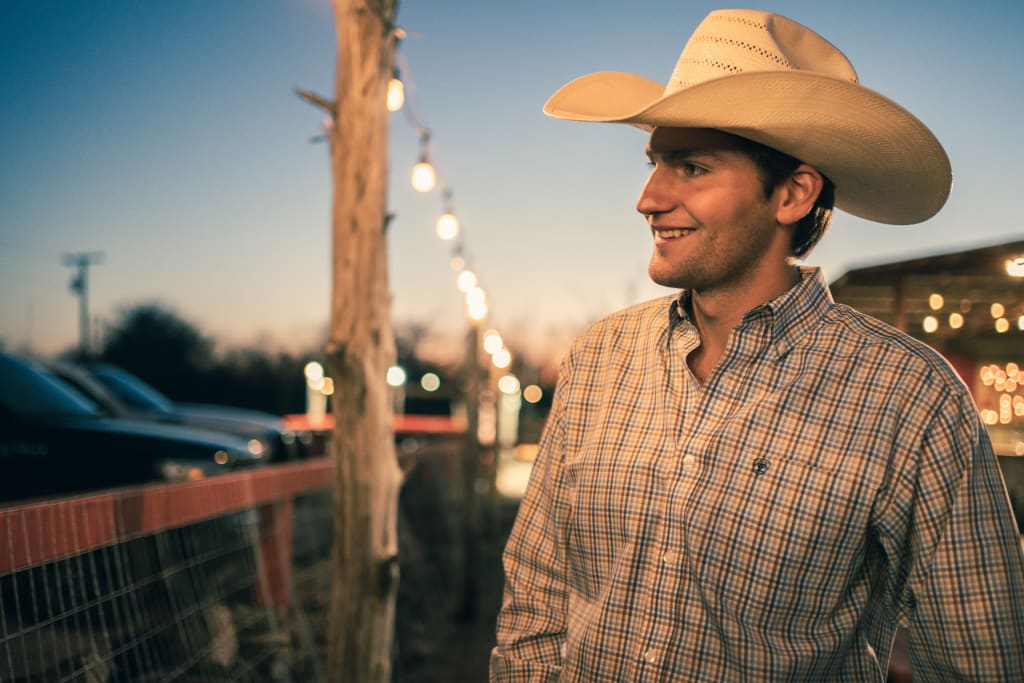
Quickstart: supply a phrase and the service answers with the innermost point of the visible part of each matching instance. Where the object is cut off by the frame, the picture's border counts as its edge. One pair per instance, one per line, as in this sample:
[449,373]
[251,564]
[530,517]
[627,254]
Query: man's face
[713,228]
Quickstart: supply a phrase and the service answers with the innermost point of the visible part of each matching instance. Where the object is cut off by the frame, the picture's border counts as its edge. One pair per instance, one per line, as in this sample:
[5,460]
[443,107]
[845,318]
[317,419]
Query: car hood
[170,434]
[235,420]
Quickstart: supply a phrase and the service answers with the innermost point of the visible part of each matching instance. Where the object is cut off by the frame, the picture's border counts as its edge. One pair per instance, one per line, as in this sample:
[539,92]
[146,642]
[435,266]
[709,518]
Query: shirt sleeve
[963,600]
[531,621]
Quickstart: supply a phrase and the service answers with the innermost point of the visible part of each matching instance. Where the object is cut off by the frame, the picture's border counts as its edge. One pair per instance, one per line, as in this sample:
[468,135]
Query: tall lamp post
[80,285]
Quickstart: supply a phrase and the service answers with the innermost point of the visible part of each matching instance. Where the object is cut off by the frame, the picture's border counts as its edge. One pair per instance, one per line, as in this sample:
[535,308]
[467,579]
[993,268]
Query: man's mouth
[671,233]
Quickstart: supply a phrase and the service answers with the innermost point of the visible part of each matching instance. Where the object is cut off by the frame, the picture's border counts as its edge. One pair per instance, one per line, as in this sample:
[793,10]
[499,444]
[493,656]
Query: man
[746,481]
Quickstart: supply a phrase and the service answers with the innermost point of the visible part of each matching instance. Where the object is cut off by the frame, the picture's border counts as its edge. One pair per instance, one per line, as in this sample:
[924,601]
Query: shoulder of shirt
[865,331]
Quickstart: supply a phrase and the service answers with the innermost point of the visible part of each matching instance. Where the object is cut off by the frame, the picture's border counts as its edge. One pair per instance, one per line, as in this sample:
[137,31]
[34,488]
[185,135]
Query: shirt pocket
[776,539]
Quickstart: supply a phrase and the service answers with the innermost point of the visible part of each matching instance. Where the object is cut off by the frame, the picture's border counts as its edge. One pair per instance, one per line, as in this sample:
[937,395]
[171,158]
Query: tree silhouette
[155,343]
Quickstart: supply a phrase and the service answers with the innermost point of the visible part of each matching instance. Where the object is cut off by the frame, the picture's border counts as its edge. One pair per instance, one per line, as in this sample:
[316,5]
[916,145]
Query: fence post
[276,555]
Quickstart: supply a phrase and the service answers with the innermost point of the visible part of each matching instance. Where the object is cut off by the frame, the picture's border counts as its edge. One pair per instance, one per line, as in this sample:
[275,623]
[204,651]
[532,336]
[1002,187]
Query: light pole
[80,285]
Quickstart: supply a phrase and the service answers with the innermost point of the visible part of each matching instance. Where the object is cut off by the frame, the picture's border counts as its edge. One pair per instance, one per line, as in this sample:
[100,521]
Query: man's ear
[798,194]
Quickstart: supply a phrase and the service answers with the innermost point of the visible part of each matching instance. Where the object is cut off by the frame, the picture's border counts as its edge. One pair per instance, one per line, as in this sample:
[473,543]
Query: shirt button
[689,463]
[651,656]
[671,557]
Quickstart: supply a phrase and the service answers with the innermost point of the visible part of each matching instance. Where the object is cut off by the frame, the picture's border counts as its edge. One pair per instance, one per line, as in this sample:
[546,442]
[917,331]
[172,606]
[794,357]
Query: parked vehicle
[122,394]
[54,440]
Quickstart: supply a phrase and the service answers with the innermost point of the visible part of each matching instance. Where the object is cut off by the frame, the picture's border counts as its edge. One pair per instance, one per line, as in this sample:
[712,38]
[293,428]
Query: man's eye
[692,169]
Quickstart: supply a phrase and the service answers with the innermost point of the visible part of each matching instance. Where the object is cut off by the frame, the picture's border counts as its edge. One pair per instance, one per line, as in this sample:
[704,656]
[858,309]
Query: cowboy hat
[769,79]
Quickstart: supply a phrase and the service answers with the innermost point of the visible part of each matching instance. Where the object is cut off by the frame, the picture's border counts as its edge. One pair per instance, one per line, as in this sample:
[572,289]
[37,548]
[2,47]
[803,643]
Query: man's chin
[674,280]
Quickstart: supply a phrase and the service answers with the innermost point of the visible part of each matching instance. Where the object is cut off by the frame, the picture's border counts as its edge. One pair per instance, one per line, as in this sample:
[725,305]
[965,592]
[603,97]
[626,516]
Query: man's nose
[655,197]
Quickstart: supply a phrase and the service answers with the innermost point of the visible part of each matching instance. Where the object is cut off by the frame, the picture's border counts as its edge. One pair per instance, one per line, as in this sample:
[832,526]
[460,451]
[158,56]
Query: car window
[29,392]
[132,390]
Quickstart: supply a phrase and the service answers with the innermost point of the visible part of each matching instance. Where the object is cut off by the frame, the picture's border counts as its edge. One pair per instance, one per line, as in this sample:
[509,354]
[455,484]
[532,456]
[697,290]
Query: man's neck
[716,313]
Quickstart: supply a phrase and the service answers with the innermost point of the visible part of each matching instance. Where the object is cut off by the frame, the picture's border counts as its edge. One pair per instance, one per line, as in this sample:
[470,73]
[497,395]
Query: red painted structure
[37,532]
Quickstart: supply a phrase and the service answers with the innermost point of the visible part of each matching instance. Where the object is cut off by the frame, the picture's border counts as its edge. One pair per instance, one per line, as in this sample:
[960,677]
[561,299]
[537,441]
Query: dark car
[122,394]
[53,440]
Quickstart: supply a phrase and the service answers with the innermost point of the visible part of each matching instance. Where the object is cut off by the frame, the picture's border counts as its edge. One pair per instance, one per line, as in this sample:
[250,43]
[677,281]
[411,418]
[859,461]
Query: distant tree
[255,378]
[152,341]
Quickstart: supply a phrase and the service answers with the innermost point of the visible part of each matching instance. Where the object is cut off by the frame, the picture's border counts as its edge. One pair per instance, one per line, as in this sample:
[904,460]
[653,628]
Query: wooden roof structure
[975,289]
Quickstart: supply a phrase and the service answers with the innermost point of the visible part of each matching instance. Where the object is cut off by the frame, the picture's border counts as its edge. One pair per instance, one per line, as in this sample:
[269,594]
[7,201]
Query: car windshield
[28,391]
[131,390]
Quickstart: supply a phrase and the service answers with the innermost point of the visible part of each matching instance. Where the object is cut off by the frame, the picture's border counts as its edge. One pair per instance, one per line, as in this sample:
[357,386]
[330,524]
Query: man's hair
[775,167]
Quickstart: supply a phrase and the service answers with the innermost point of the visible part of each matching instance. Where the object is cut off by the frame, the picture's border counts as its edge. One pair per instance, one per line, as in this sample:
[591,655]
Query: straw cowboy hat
[767,78]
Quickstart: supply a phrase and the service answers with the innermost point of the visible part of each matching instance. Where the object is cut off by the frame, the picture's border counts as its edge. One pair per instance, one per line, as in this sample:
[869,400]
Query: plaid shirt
[829,480]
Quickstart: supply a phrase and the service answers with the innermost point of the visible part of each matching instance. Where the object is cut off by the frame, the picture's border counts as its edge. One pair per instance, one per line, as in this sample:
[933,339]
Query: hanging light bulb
[396,93]
[492,342]
[423,176]
[447,226]
[466,281]
[447,223]
[477,310]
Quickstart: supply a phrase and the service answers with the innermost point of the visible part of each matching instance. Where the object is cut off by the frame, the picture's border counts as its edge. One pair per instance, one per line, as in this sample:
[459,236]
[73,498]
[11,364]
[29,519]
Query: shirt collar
[789,315]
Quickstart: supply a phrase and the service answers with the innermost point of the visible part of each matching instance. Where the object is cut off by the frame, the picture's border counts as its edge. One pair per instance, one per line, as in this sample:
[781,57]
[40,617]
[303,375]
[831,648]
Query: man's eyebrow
[681,151]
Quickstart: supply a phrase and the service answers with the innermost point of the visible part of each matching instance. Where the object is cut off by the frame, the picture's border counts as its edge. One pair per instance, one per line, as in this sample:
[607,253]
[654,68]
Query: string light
[492,342]
[396,93]
[423,176]
[502,359]
[466,281]
[447,224]
[1015,267]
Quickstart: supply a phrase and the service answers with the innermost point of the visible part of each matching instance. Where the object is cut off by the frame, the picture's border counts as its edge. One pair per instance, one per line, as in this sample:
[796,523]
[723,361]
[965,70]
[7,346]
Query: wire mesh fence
[184,602]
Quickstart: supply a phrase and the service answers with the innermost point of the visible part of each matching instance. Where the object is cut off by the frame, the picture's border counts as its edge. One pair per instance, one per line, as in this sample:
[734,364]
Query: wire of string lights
[426,178]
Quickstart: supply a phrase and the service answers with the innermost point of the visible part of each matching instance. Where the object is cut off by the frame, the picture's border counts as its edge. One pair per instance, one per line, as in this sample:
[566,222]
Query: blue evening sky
[167,136]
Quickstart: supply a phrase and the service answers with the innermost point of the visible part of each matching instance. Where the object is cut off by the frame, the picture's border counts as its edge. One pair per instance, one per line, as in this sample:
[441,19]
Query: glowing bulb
[466,281]
[508,384]
[1020,323]
[430,382]
[313,371]
[1002,325]
[396,376]
[997,310]
[956,321]
[492,342]
[328,388]
[1015,267]
[423,176]
[930,324]
[447,226]
[477,310]
[396,94]
[935,301]
[533,393]
[476,296]
[502,359]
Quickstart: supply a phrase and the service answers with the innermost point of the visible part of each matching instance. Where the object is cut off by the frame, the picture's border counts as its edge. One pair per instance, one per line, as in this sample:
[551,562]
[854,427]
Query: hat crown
[729,42]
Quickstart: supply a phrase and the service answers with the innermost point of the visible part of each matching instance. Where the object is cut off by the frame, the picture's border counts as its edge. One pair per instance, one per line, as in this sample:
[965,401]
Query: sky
[167,136]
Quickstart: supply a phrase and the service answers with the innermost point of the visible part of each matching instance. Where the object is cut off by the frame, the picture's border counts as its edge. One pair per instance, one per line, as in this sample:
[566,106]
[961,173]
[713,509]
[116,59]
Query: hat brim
[885,164]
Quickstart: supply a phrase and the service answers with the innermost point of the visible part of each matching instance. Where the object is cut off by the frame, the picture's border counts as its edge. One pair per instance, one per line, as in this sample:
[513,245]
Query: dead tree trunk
[360,348]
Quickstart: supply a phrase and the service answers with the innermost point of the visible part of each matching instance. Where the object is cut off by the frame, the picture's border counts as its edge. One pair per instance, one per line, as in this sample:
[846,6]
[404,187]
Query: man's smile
[670,233]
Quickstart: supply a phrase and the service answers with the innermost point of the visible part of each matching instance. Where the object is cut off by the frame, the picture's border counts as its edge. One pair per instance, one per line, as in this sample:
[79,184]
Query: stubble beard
[717,263]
